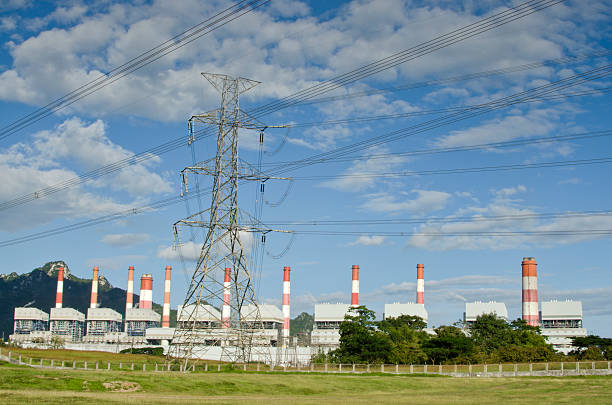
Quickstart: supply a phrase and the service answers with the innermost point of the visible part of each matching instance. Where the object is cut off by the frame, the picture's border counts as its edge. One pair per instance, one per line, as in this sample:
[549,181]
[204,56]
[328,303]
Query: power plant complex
[107,330]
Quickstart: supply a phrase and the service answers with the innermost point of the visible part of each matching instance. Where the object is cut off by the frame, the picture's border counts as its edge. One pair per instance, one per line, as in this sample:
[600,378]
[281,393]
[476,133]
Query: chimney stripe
[355,287]
[420,293]
[286,305]
[94,288]
[59,295]
[146,291]
[166,308]
[225,310]
[530,291]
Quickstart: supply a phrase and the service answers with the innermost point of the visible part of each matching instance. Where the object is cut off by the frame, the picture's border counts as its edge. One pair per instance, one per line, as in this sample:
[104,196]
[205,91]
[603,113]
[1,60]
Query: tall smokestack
[286,307]
[94,289]
[420,296]
[129,300]
[530,291]
[355,287]
[60,287]
[166,308]
[225,310]
[146,291]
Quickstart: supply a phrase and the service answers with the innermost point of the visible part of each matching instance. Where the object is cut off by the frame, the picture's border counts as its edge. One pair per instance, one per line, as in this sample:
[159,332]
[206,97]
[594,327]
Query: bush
[151,351]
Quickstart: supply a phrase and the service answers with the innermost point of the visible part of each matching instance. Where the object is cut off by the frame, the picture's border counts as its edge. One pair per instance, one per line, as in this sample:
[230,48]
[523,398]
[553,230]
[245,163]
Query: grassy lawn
[20,384]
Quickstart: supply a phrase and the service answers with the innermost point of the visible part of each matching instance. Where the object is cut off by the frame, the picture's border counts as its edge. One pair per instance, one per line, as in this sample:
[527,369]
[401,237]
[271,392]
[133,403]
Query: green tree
[360,342]
[449,344]
[406,335]
[490,332]
[591,344]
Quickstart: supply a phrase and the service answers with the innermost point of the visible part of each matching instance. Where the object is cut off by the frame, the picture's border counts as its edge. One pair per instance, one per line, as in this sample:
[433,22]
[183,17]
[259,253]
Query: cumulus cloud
[187,251]
[125,239]
[53,158]
[294,49]
[363,173]
[425,201]
[479,232]
[375,240]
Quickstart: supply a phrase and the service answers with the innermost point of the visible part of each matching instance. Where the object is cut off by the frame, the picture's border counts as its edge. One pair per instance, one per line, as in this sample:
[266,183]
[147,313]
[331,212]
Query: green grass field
[22,384]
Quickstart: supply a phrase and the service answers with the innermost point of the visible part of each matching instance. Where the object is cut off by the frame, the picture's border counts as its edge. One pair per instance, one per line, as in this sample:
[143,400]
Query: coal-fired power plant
[560,321]
[530,291]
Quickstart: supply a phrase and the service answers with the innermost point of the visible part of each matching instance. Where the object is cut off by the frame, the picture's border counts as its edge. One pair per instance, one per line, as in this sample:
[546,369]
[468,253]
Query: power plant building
[67,323]
[271,318]
[474,309]
[138,320]
[103,325]
[396,309]
[327,320]
[29,323]
[560,322]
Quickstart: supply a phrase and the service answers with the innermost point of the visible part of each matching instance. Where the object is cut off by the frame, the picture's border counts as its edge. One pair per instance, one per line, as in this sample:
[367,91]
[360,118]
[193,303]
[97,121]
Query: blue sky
[50,49]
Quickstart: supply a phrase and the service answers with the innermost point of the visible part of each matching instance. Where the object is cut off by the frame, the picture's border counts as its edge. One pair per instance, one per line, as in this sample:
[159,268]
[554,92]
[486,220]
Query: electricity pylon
[200,324]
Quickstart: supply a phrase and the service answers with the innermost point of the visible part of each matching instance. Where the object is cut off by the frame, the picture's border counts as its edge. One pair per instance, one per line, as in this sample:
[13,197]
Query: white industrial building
[103,325]
[203,317]
[271,318]
[138,320]
[560,321]
[474,309]
[326,328]
[396,309]
[67,323]
[30,323]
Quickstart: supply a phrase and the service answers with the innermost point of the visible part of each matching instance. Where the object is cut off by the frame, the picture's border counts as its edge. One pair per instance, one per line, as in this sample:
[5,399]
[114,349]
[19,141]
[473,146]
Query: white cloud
[187,251]
[465,235]
[125,239]
[363,173]
[286,54]
[375,240]
[425,201]
[49,160]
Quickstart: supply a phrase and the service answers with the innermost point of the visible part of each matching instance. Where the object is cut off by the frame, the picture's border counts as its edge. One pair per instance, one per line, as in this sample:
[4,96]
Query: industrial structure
[560,322]
[211,332]
[410,308]
[475,309]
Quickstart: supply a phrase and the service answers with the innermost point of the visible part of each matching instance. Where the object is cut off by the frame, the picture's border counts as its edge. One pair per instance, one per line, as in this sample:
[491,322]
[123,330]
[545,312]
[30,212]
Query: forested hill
[37,289]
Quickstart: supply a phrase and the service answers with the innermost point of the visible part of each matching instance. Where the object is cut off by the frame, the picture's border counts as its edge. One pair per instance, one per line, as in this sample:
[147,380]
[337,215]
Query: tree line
[490,339]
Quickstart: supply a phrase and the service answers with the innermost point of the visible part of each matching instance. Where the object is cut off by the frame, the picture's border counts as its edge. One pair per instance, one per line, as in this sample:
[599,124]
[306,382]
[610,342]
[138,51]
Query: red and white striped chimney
[146,291]
[530,291]
[286,307]
[129,300]
[166,308]
[94,289]
[355,287]
[420,296]
[60,287]
[225,310]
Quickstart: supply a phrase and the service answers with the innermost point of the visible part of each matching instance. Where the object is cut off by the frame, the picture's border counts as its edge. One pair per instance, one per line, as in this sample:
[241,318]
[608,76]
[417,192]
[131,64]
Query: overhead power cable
[178,142]
[466,77]
[201,134]
[551,87]
[215,22]
[463,148]
[561,232]
[537,92]
[471,30]
[174,200]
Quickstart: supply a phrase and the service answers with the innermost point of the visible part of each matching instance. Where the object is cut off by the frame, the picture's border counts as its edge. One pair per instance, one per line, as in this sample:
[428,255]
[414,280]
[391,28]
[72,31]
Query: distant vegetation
[490,339]
[151,351]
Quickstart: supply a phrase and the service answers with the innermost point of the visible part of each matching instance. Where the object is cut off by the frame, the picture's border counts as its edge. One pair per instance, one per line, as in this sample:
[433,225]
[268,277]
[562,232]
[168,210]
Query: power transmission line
[215,22]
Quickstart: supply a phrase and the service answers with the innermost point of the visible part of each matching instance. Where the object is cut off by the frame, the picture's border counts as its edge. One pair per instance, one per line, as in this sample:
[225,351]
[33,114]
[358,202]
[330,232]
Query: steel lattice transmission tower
[236,329]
